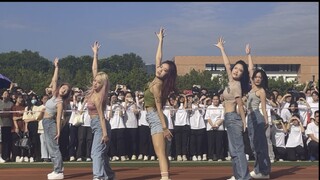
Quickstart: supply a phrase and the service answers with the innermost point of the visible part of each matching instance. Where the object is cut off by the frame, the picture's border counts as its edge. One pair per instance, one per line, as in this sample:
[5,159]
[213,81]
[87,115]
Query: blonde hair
[103,92]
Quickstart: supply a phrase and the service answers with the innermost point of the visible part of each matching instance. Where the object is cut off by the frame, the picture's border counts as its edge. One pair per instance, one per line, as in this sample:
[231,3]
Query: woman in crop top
[96,98]
[257,122]
[155,97]
[52,122]
[235,123]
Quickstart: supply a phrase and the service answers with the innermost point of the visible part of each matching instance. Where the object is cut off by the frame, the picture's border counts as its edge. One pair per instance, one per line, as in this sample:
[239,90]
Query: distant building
[291,68]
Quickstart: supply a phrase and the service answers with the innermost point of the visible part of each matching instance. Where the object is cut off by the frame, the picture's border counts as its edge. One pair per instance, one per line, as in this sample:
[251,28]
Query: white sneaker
[153,158]
[26,159]
[280,159]
[272,160]
[134,157]
[204,157]
[199,158]
[179,158]
[145,158]
[88,160]
[184,158]
[2,160]
[79,159]
[169,158]
[72,158]
[140,157]
[114,158]
[194,158]
[247,156]
[228,158]
[232,178]
[219,160]
[55,175]
[123,158]
[18,159]
[259,175]
[210,160]
[31,160]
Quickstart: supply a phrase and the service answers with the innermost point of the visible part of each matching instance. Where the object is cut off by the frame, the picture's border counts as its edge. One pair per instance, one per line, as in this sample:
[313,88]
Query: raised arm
[54,80]
[250,63]
[160,36]
[226,61]
[95,48]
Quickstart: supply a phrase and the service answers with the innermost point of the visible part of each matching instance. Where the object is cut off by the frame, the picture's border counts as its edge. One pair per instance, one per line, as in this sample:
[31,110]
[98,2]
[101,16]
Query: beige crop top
[232,91]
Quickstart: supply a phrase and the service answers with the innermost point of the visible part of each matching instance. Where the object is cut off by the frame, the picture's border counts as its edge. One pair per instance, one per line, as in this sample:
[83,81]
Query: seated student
[312,132]
[295,147]
[278,134]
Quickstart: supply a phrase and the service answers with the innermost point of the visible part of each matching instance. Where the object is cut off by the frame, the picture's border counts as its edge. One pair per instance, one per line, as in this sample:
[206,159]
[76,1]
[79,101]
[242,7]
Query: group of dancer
[155,96]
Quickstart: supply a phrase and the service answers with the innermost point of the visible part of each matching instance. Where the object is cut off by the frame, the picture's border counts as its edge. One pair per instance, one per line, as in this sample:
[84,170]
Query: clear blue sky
[59,29]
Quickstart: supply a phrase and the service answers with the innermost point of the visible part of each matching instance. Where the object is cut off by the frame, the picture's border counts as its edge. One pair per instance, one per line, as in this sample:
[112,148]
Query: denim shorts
[154,122]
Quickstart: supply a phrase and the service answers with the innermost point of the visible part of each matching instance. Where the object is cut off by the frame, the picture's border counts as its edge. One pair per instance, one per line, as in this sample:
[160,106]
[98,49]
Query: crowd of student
[195,119]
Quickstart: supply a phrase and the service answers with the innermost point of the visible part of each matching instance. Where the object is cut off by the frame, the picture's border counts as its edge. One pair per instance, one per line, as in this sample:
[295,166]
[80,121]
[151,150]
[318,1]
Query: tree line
[34,72]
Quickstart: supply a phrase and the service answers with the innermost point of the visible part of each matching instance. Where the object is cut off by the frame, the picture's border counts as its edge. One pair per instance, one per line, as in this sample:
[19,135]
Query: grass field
[150,164]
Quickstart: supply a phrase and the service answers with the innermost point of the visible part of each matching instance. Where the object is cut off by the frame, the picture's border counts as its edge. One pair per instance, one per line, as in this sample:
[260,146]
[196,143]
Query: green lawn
[149,164]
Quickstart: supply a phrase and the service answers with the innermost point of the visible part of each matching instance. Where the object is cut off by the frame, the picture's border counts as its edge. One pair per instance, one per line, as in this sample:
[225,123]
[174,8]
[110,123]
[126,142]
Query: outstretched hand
[248,49]
[160,34]
[56,60]
[220,43]
[95,47]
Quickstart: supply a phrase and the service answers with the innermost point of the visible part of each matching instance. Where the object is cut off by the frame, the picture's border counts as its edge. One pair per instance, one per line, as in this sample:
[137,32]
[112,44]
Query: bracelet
[164,129]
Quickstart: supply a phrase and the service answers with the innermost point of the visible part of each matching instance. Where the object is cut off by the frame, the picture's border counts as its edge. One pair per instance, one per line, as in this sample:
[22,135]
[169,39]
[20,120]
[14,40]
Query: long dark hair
[264,82]
[244,79]
[65,97]
[169,81]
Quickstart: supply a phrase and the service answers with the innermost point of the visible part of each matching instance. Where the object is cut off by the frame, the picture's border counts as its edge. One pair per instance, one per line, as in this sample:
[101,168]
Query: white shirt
[143,118]
[314,106]
[212,114]
[181,117]
[168,111]
[116,121]
[130,118]
[312,128]
[196,117]
[295,137]
[278,137]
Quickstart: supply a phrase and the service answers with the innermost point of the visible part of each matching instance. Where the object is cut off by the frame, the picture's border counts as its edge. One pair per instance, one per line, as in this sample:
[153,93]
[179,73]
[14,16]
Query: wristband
[164,129]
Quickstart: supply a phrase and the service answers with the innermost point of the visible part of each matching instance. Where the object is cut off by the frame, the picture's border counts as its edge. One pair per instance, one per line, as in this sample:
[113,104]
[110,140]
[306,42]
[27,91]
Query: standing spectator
[238,84]
[258,122]
[215,130]
[73,129]
[198,129]
[85,136]
[181,128]
[52,122]
[6,124]
[312,132]
[45,156]
[314,104]
[145,142]
[131,123]
[97,99]
[115,114]
[169,112]
[155,97]
[30,117]
[18,153]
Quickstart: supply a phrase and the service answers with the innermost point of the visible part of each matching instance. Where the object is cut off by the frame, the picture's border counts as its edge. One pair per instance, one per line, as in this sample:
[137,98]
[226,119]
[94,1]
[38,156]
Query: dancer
[234,120]
[155,97]
[52,121]
[257,122]
[96,98]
